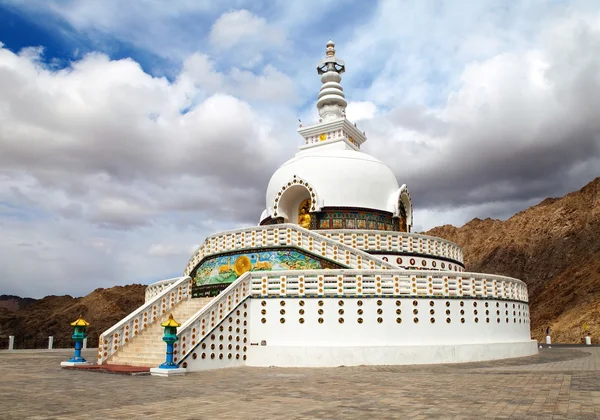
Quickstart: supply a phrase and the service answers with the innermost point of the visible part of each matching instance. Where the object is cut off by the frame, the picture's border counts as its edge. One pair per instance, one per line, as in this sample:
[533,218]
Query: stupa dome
[330,183]
[338,175]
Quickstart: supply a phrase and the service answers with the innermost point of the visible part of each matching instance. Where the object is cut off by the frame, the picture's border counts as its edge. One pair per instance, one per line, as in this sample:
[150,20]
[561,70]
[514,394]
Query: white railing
[337,283]
[407,243]
[158,287]
[133,324]
[285,235]
[387,283]
[198,326]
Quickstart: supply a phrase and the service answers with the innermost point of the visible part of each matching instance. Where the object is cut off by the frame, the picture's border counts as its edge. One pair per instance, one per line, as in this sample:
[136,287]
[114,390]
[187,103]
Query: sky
[129,131]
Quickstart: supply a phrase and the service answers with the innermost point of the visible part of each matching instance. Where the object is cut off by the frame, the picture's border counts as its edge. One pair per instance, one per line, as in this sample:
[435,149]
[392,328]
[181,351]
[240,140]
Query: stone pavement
[559,383]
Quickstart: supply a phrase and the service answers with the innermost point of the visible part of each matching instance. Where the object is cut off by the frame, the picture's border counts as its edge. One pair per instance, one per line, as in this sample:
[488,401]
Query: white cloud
[362,110]
[108,174]
[101,149]
[243,27]
[245,39]
[168,250]
[510,133]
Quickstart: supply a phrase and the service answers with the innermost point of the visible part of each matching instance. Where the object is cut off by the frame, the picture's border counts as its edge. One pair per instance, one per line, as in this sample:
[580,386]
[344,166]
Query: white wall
[332,343]
[389,331]
[230,342]
[286,356]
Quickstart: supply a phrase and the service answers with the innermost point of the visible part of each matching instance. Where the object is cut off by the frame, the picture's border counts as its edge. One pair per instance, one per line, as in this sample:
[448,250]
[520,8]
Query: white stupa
[331,276]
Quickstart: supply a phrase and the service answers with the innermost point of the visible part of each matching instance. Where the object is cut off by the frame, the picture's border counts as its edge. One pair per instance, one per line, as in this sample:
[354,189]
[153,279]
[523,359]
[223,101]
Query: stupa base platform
[72,364]
[167,372]
[118,369]
[292,356]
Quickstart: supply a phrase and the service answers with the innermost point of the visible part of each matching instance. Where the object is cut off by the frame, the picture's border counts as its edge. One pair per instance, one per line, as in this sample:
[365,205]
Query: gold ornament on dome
[242,264]
[323,137]
[303,214]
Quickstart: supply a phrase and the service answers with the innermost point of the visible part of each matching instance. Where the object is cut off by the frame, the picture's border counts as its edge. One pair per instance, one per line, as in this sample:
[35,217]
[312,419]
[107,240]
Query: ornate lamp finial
[78,336]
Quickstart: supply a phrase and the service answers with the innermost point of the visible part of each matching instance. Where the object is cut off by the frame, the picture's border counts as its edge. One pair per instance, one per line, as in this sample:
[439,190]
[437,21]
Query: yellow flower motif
[242,264]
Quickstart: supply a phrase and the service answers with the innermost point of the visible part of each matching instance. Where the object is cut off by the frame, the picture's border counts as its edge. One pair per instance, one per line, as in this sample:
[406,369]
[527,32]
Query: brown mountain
[32,324]
[13,303]
[555,248]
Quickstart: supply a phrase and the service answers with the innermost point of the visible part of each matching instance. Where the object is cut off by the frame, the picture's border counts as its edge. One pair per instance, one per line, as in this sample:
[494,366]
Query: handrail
[119,334]
[406,283]
[285,235]
[403,242]
[199,325]
[342,283]
[155,288]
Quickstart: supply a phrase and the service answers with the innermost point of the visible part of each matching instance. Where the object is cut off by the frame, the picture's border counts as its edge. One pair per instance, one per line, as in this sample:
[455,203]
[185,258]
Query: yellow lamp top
[80,322]
[170,322]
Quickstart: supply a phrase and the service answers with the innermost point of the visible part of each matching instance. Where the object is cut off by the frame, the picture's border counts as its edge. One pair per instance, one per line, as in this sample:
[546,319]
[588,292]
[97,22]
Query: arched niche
[289,203]
[406,205]
[403,209]
[296,195]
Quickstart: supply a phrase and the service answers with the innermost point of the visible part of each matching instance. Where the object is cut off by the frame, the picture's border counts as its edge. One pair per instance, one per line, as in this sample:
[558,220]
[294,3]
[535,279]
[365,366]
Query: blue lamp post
[78,335]
[169,337]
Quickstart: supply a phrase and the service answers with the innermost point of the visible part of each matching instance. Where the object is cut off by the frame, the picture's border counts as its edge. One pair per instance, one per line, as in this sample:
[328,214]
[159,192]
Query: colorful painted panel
[227,268]
[356,218]
[325,224]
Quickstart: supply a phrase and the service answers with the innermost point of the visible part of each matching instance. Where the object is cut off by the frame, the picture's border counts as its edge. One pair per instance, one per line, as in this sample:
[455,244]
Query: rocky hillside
[555,248]
[52,315]
[14,303]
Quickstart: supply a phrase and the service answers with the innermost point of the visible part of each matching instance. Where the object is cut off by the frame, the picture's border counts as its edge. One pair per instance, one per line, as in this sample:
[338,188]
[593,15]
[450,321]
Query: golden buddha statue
[303,214]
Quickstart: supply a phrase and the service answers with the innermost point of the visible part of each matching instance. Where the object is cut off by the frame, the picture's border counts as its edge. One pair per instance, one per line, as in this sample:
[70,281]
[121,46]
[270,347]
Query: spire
[333,128]
[331,101]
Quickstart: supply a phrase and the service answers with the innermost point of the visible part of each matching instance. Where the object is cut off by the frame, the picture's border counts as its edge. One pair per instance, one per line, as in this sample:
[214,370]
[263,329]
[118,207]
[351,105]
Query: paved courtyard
[559,383]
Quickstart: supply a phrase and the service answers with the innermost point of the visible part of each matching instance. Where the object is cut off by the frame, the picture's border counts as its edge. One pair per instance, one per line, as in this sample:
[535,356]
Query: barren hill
[13,303]
[555,248]
[52,315]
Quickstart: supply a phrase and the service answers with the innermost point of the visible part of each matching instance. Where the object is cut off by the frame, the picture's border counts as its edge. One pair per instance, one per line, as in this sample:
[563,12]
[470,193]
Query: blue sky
[131,130]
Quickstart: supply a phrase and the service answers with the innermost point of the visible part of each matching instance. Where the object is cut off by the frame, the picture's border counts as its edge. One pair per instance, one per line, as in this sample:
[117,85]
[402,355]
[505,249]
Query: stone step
[154,363]
[140,358]
[151,355]
[147,348]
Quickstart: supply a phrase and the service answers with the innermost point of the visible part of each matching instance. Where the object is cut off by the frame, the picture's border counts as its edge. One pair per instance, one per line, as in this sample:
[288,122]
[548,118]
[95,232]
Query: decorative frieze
[356,218]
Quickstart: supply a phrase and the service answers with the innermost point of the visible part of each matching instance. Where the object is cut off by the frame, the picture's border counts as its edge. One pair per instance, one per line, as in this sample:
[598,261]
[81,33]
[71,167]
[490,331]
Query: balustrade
[386,282]
[285,235]
[118,335]
[396,242]
[337,283]
[210,316]
[158,287]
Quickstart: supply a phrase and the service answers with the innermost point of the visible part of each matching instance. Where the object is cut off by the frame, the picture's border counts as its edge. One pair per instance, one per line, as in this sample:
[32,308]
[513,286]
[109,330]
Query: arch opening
[294,206]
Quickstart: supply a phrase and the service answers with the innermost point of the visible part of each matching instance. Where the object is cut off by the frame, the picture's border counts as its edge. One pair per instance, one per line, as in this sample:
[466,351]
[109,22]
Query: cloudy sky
[131,130]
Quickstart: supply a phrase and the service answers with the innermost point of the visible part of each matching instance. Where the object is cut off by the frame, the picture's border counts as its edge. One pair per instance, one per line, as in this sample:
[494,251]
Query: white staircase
[148,349]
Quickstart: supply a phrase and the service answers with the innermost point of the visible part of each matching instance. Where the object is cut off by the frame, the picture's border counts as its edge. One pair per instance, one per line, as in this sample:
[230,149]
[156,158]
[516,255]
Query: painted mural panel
[226,269]
[354,218]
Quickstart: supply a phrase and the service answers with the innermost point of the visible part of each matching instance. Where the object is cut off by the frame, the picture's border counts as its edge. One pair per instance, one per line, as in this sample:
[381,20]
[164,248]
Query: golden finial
[80,322]
[170,322]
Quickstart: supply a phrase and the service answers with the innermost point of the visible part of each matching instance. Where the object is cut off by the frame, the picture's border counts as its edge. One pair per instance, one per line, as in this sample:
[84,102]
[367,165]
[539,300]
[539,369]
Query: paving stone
[558,383]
